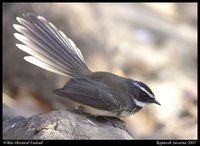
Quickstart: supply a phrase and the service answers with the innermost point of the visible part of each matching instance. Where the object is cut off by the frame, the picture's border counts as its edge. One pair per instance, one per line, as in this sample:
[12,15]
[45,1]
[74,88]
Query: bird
[96,92]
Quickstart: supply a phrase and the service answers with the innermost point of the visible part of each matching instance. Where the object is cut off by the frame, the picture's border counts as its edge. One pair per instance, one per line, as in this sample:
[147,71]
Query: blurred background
[152,42]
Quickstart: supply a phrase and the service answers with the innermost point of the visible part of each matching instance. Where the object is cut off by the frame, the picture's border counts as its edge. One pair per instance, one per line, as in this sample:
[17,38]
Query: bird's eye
[143,95]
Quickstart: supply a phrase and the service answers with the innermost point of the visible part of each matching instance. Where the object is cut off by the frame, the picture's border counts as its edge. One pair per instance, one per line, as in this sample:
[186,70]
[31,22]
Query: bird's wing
[91,93]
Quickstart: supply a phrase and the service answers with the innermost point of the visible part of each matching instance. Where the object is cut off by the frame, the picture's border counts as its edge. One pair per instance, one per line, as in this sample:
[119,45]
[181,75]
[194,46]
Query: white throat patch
[139,103]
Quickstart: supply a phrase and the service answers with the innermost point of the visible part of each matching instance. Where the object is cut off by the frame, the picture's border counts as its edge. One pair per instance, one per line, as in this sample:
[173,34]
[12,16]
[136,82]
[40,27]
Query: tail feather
[41,59]
[50,48]
[43,65]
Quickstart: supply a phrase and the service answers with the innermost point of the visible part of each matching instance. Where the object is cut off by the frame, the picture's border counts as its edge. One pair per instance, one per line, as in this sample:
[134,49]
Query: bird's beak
[155,101]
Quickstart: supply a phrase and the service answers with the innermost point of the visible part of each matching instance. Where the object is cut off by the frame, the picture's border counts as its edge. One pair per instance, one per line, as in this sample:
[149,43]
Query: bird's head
[141,94]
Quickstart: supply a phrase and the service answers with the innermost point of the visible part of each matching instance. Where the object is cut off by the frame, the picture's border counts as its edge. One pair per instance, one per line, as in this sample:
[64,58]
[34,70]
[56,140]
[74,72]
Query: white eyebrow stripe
[143,89]
[139,103]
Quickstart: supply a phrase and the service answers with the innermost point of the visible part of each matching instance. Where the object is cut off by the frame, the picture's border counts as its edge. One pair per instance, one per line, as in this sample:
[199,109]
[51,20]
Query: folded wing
[90,93]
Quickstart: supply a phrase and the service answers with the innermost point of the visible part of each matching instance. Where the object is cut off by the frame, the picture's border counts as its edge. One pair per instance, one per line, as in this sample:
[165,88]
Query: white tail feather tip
[41,64]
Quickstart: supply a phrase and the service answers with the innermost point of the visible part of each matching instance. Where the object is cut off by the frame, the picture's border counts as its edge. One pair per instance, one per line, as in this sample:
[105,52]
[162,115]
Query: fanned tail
[49,47]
